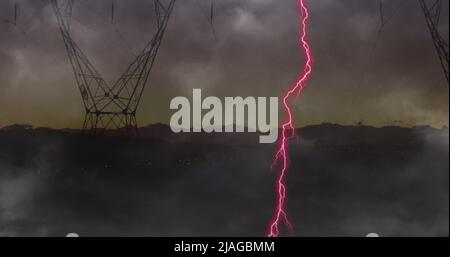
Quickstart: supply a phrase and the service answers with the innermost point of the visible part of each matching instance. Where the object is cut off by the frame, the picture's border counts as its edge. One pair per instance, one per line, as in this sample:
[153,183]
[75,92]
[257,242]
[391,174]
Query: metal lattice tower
[112,106]
[432,11]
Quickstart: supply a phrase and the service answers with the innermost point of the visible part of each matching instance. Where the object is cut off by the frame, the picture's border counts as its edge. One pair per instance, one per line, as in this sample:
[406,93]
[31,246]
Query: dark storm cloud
[357,76]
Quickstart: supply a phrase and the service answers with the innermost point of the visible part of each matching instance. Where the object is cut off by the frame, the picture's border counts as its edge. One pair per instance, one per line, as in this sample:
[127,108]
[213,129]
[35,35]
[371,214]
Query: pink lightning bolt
[288,130]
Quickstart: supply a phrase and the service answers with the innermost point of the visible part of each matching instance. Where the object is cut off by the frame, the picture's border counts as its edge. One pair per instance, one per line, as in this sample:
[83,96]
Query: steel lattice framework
[112,106]
[432,11]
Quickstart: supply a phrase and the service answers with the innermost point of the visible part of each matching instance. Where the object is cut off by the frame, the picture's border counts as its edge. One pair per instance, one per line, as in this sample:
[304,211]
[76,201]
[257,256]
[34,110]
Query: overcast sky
[396,79]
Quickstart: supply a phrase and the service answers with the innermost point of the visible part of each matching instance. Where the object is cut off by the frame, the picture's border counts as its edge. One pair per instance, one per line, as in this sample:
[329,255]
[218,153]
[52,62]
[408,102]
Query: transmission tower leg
[89,124]
[124,124]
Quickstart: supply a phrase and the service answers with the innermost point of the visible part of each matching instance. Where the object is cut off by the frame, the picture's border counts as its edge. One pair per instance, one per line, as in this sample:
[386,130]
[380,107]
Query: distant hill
[323,134]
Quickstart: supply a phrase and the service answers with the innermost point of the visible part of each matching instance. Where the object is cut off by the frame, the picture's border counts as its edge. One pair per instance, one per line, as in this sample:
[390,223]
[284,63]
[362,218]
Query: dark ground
[344,181]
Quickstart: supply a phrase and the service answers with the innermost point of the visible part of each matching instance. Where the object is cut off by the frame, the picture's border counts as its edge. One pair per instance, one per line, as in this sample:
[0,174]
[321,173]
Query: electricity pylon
[432,12]
[112,106]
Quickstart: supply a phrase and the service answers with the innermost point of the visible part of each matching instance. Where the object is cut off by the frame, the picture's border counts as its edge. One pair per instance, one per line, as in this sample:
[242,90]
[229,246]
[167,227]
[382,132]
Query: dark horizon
[357,124]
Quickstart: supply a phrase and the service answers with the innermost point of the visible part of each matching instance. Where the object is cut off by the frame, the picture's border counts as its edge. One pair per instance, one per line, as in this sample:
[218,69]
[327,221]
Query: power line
[112,11]
[209,17]
[110,21]
[15,12]
[384,20]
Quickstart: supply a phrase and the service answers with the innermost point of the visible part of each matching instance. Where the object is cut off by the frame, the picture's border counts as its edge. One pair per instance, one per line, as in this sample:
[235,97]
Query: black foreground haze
[344,181]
